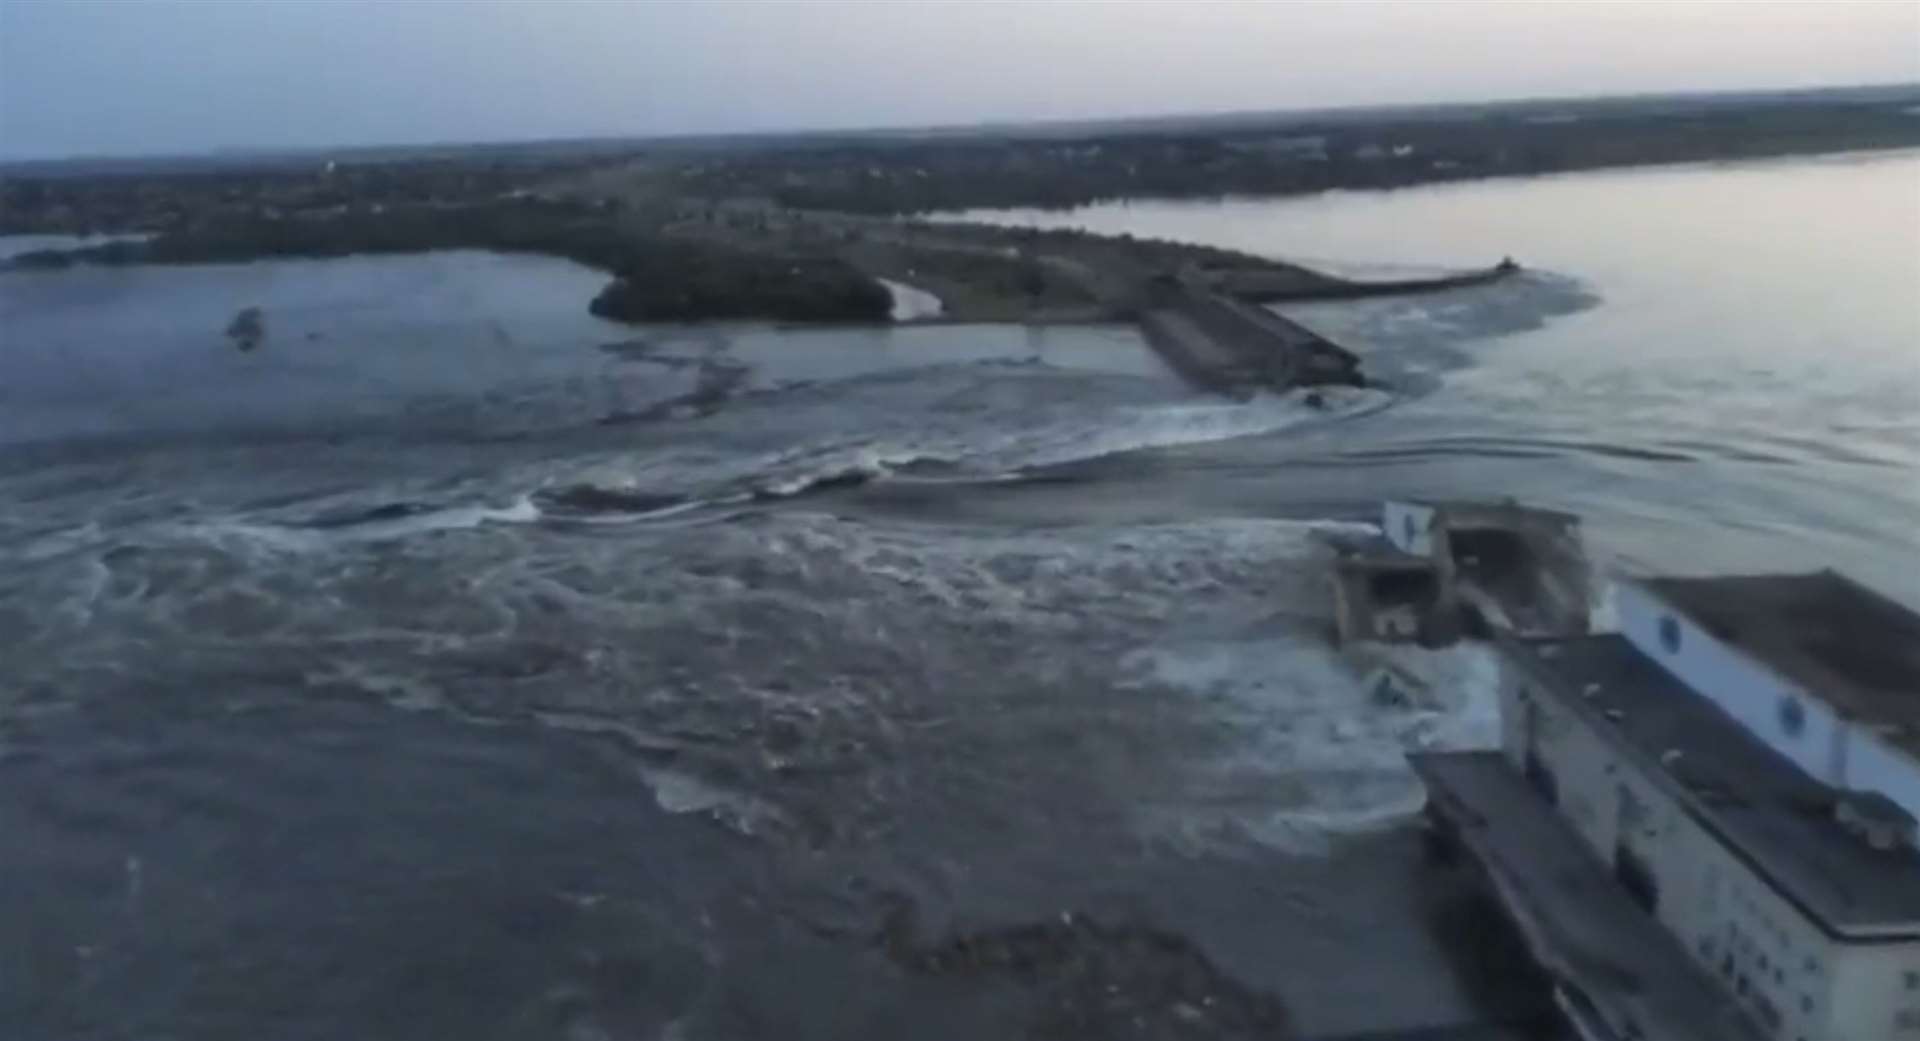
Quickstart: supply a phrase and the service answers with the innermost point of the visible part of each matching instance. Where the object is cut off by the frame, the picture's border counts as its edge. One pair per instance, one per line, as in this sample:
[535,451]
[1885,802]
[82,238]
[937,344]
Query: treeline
[41,200]
[985,173]
[685,282]
[656,278]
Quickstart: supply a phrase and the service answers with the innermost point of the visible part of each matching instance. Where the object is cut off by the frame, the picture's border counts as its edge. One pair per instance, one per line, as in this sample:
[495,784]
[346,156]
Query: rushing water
[454,664]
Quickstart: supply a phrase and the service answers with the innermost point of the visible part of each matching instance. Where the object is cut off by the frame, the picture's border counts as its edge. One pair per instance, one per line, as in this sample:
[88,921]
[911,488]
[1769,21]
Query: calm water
[1741,392]
[457,665]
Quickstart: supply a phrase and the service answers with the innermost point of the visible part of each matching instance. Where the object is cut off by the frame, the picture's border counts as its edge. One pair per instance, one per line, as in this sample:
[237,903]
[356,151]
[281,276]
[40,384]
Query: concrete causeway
[1228,346]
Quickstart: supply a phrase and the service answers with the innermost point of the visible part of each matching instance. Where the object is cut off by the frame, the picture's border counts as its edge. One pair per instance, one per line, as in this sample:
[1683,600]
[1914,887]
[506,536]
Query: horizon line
[983,126]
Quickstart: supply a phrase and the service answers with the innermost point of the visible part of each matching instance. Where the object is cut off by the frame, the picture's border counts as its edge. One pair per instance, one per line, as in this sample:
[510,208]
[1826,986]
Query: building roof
[1844,643]
[1770,813]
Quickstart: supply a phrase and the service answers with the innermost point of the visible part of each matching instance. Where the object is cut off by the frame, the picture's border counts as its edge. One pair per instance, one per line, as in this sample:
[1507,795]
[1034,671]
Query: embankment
[1268,285]
[1229,346]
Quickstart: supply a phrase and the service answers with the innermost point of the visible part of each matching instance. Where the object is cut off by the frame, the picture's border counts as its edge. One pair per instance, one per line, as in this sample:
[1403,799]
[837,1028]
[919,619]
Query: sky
[112,77]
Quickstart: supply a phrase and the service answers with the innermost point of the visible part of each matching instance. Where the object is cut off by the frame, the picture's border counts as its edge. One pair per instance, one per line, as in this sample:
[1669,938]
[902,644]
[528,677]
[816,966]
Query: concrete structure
[1825,671]
[1228,346]
[1619,974]
[1524,569]
[1519,569]
[1390,597]
[1740,761]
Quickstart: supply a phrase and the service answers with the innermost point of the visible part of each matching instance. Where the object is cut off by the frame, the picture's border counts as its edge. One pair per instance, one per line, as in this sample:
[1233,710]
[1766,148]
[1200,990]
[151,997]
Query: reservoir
[1729,348]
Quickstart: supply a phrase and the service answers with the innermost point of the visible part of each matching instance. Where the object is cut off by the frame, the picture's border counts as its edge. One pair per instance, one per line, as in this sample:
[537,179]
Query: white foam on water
[244,535]
[454,518]
[56,543]
[999,444]
[1318,751]
[681,793]
[1170,426]
[402,692]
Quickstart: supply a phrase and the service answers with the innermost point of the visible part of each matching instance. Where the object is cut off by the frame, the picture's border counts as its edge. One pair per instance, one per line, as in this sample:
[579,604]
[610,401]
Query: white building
[1745,757]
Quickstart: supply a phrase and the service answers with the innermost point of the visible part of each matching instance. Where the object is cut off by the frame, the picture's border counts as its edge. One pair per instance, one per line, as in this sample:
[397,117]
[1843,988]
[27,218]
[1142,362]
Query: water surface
[1739,389]
[457,664]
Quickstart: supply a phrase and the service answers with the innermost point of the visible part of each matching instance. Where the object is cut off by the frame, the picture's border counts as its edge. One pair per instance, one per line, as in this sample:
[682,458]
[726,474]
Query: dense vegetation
[656,278]
[1283,157]
[71,198]
[685,283]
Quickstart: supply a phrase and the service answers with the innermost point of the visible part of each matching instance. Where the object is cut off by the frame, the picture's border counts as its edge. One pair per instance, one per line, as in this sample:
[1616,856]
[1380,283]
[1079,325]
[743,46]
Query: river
[456,664]
[1742,390]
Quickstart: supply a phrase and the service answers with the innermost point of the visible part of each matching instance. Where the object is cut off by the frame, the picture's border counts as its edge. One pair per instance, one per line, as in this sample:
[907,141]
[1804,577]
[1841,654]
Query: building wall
[1583,773]
[1836,752]
[1790,975]
[1770,956]
[1777,711]
[1877,766]
[1878,993]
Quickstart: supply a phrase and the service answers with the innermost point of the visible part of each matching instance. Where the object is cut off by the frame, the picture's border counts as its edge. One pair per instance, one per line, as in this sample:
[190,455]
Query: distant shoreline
[607,145]
[810,229]
[1898,151]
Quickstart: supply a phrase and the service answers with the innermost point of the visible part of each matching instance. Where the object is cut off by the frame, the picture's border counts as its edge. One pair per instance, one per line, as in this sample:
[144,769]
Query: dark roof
[1770,813]
[1846,644]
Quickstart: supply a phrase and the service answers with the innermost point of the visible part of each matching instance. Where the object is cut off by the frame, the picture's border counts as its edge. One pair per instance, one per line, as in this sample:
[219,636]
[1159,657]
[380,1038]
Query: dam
[1225,345]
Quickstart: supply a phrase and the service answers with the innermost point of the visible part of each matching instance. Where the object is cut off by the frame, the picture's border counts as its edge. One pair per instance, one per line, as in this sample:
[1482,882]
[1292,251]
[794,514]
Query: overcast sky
[141,76]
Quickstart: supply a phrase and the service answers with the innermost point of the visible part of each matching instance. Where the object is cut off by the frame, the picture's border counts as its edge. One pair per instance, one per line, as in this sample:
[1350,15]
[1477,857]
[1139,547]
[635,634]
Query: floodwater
[454,664]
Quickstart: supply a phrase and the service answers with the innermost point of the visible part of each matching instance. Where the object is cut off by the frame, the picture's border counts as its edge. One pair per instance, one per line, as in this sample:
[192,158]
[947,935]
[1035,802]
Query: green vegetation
[1288,156]
[657,278]
[685,283]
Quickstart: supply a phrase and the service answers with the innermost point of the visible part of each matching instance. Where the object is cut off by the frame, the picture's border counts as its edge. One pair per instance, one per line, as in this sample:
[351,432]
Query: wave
[399,523]
[1006,442]
[383,522]
[1001,456]
[994,448]
[596,499]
